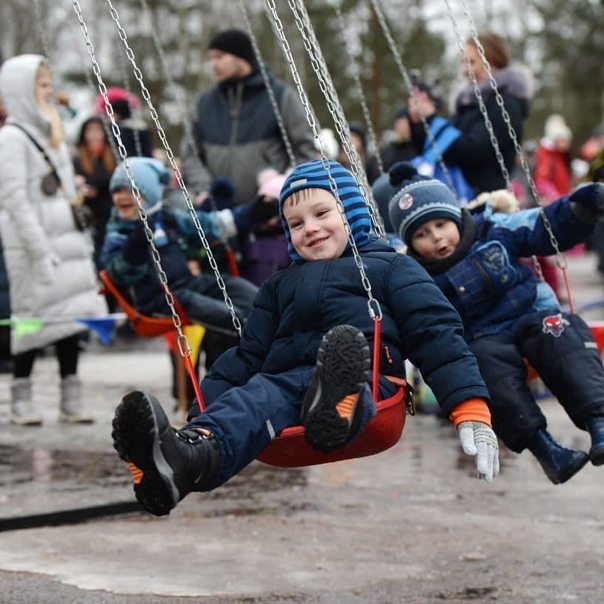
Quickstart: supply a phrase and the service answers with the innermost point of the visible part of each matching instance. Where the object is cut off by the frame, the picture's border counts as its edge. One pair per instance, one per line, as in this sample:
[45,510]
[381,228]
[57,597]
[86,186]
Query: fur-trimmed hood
[515,80]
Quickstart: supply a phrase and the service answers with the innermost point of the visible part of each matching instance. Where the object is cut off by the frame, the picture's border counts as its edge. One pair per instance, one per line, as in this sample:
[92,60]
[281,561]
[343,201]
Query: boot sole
[23,421]
[136,439]
[65,418]
[573,469]
[343,363]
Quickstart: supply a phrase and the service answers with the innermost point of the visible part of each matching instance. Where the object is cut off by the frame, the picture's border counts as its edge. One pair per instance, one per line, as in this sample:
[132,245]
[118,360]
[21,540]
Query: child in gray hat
[509,314]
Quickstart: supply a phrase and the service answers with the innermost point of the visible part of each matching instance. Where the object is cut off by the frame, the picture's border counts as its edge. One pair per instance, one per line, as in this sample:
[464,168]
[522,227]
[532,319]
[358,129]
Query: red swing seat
[290,449]
[144,325]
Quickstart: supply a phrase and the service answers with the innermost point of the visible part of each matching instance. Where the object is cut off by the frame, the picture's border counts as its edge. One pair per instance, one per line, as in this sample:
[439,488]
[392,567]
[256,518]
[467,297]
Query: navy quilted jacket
[490,287]
[296,306]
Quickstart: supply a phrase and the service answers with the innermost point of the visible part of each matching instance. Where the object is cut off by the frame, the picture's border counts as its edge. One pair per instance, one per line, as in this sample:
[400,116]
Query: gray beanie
[417,200]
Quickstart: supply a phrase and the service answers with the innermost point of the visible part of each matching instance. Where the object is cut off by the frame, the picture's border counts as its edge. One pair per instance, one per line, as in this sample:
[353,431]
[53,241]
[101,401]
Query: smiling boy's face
[125,203]
[315,224]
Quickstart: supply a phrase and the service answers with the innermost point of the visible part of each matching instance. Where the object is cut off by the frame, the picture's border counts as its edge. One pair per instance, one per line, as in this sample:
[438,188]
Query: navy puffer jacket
[296,306]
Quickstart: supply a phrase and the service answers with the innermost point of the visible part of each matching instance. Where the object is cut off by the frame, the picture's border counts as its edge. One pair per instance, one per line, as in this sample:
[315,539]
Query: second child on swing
[508,313]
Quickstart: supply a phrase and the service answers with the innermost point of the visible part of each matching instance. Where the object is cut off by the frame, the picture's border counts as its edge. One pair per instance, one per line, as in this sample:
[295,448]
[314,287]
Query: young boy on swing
[127,258]
[304,355]
[508,313]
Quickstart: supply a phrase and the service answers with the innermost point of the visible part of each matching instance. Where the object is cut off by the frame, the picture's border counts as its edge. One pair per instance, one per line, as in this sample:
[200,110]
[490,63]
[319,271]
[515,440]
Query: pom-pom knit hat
[150,177]
[417,200]
[235,42]
[314,175]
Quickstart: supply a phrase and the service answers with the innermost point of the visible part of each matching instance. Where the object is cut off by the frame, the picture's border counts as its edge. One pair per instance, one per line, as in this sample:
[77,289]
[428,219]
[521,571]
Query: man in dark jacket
[305,354]
[235,132]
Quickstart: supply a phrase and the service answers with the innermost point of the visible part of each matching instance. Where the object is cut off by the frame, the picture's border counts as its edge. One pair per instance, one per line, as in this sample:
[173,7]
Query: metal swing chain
[182,340]
[267,84]
[373,305]
[122,62]
[478,93]
[413,96]
[183,343]
[42,31]
[482,107]
[187,125]
[560,259]
[359,86]
[170,156]
[512,133]
[313,49]
[91,85]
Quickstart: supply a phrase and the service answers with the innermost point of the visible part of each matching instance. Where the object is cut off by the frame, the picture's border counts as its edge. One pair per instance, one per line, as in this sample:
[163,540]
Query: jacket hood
[515,80]
[17,88]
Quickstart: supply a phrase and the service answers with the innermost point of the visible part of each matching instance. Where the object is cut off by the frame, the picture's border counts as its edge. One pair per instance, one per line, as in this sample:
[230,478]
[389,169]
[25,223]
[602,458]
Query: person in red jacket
[552,161]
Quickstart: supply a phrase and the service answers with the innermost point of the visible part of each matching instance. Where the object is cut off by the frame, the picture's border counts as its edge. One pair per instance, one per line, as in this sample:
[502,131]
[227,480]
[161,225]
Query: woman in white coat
[48,260]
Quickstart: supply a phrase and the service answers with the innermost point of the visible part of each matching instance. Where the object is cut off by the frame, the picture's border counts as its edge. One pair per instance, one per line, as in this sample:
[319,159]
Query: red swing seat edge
[144,325]
[290,449]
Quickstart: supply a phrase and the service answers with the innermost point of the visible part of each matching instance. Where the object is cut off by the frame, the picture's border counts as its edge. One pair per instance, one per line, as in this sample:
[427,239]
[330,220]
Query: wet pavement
[412,524]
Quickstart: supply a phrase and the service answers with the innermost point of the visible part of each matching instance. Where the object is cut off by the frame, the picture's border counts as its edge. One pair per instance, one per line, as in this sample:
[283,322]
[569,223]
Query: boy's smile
[436,239]
[316,226]
[125,203]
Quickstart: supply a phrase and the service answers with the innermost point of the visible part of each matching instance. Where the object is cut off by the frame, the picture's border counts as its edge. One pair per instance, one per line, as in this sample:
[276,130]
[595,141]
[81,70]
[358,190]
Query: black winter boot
[595,427]
[166,464]
[559,463]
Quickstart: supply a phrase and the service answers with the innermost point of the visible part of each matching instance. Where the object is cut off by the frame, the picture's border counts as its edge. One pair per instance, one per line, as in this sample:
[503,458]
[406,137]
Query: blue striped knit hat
[313,175]
[417,200]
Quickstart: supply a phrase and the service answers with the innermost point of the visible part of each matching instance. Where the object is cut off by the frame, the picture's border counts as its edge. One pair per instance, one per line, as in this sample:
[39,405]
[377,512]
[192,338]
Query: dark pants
[567,360]
[67,351]
[204,303]
[245,419]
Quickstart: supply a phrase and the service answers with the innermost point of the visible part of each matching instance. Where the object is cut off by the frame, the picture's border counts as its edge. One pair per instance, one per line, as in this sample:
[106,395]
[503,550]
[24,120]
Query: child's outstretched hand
[587,203]
[478,440]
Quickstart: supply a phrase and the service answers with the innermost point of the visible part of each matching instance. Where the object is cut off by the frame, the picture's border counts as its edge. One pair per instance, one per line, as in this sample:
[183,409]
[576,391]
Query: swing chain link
[561,261]
[187,124]
[278,27]
[123,154]
[359,86]
[312,47]
[268,85]
[135,191]
[478,93]
[170,156]
[413,95]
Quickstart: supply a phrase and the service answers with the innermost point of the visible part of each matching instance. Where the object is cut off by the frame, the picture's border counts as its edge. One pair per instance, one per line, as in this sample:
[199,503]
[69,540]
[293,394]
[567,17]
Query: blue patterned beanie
[417,200]
[313,175]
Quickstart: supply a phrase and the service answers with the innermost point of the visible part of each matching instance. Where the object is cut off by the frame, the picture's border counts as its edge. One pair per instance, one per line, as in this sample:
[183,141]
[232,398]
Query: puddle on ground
[98,469]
